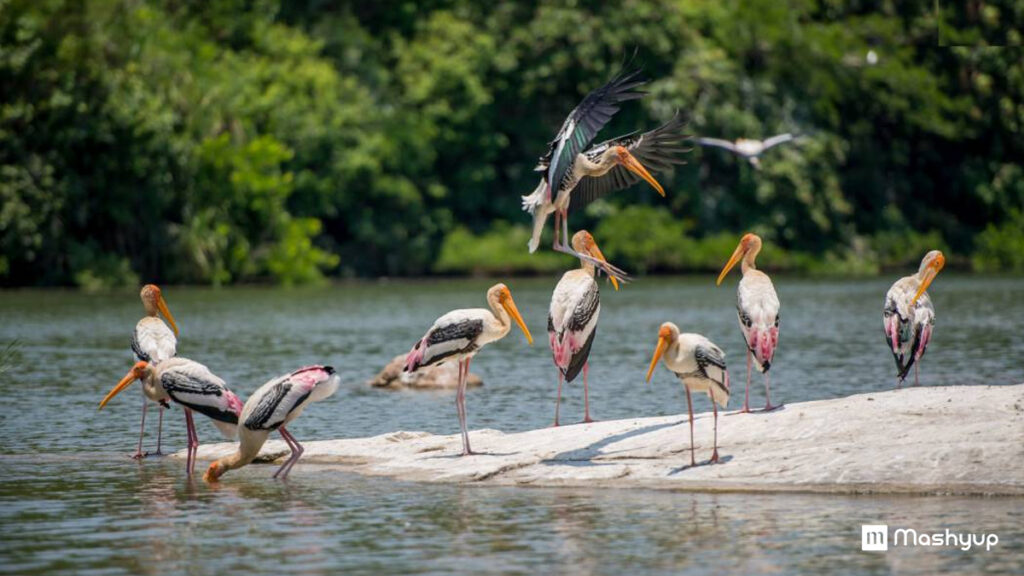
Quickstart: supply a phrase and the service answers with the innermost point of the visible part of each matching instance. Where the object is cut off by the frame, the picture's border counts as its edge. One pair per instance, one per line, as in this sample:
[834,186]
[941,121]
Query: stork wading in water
[572,318]
[575,175]
[459,335]
[700,366]
[908,316]
[193,387]
[757,307]
[153,342]
[748,149]
[272,407]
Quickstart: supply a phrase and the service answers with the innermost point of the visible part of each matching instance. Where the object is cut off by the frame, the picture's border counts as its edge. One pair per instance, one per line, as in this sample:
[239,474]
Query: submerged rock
[442,376]
[951,439]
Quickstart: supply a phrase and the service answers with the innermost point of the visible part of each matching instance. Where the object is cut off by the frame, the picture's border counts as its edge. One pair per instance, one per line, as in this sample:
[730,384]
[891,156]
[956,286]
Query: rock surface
[960,439]
[441,376]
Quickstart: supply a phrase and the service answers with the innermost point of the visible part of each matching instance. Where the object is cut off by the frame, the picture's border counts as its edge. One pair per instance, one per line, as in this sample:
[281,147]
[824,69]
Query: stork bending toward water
[459,335]
[572,318]
[575,175]
[271,407]
[757,307]
[908,315]
[700,366]
[194,387]
[153,342]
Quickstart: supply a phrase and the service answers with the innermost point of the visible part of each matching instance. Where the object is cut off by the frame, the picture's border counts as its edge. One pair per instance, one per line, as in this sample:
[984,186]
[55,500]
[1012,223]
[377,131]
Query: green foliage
[501,250]
[1001,247]
[261,140]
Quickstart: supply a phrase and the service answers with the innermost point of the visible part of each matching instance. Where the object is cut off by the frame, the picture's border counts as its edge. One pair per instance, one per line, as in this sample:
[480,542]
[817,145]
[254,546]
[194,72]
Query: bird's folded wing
[586,120]
[658,150]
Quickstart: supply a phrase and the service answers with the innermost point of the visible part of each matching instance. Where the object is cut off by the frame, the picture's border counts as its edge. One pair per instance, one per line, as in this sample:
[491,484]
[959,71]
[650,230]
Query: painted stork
[572,318]
[270,408]
[757,307]
[459,335]
[751,150]
[908,315]
[153,341]
[700,366]
[575,175]
[191,385]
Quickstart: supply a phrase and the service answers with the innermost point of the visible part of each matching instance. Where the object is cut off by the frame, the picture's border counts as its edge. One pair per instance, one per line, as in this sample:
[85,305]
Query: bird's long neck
[501,316]
[150,307]
[246,453]
[587,267]
[750,258]
[604,163]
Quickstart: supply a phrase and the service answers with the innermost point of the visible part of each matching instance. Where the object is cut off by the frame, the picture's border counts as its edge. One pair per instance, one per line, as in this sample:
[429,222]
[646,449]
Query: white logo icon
[874,537]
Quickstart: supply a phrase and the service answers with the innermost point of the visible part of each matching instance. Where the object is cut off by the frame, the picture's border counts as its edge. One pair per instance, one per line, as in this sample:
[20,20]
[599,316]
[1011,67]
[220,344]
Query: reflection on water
[71,501]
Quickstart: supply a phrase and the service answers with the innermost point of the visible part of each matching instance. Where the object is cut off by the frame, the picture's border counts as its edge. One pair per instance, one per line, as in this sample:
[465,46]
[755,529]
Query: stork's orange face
[506,302]
[154,300]
[584,243]
[625,158]
[214,472]
[747,243]
[138,372]
[933,263]
[664,339]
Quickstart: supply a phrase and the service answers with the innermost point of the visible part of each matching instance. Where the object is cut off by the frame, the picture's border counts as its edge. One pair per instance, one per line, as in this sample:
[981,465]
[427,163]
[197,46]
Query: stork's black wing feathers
[585,121]
[658,150]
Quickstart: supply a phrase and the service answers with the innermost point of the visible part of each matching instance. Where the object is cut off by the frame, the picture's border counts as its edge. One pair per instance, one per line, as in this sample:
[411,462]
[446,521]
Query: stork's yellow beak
[596,253]
[510,306]
[161,305]
[634,165]
[658,353]
[929,275]
[737,255]
[124,383]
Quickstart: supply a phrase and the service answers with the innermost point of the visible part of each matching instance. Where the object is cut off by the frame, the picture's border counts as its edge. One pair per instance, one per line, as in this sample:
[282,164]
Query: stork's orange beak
[634,165]
[596,253]
[929,275]
[737,255]
[125,382]
[510,306]
[658,353]
[161,305]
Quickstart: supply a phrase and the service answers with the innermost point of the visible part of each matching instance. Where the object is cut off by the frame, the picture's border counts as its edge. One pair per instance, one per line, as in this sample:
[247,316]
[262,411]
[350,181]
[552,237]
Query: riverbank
[940,440]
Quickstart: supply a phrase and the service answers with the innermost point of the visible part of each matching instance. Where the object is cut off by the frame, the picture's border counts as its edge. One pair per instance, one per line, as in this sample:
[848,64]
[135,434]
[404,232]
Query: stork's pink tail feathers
[415,357]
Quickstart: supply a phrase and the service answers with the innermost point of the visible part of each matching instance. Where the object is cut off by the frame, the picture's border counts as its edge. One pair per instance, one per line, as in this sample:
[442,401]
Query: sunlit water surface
[71,501]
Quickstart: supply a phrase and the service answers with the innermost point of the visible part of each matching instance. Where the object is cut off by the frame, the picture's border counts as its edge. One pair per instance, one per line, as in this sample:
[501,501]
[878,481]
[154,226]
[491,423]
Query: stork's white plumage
[459,335]
[700,366]
[273,406]
[192,386]
[572,318]
[757,308]
[908,315]
[153,341]
[748,148]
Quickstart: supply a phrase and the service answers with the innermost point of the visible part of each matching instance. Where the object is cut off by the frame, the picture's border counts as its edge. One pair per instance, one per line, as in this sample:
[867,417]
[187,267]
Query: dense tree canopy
[217,142]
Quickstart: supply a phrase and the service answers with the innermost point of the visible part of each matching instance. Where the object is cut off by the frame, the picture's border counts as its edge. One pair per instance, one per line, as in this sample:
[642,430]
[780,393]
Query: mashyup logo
[875,538]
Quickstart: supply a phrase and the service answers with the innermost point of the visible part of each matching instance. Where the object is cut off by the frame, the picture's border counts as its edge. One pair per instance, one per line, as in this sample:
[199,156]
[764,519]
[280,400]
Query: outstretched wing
[776,140]
[718,143]
[585,121]
[658,150]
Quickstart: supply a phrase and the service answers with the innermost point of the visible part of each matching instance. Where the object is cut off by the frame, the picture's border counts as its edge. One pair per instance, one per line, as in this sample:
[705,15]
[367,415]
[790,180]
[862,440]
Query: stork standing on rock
[459,335]
[572,318]
[193,387]
[274,405]
[700,366]
[908,315]
[757,308]
[153,342]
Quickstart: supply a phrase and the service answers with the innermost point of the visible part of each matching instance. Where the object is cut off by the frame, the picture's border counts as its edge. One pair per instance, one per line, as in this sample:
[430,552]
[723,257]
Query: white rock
[958,439]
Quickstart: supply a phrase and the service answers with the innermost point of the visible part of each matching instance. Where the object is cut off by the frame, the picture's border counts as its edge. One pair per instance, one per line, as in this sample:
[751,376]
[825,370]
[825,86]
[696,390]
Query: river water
[72,502]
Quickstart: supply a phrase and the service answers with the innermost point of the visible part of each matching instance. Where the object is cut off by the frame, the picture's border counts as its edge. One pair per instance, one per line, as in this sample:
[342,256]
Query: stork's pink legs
[460,405]
[915,373]
[561,244]
[193,442]
[586,394]
[746,398]
[159,431]
[297,451]
[767,395]
[689,406]
[714,455]
[139,454]
[558,399]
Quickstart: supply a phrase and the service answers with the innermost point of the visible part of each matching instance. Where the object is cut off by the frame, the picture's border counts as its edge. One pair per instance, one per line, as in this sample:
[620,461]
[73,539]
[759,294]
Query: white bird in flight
[749,149]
